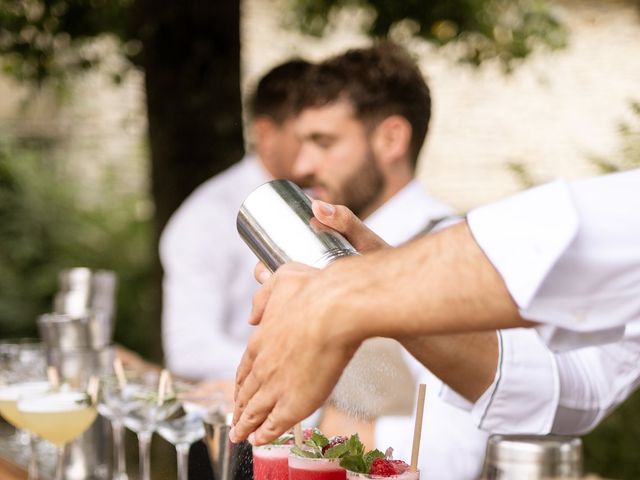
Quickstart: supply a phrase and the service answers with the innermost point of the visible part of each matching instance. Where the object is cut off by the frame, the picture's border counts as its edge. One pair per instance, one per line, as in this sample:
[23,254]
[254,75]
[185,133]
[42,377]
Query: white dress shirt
[536,390]
[208,277]
[452,446]
[569,254]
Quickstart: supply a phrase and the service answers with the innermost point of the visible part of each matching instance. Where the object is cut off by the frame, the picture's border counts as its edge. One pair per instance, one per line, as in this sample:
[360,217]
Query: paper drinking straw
[54,378]
[297,435]
[417,430]
[92,389]
[119,371]
[162,385]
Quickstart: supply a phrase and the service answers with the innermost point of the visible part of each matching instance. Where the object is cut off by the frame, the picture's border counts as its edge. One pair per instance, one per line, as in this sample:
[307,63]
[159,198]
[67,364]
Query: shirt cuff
[523,398]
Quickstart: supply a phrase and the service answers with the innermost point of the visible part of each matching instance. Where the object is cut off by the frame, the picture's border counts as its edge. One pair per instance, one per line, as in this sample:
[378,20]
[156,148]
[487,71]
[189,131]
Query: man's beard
[358,191]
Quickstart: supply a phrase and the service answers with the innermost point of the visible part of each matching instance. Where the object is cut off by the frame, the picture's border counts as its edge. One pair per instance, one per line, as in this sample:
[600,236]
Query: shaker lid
[538,449]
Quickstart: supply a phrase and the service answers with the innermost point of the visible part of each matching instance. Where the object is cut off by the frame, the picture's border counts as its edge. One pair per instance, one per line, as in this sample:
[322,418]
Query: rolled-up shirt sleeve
[569,254]
[523,397]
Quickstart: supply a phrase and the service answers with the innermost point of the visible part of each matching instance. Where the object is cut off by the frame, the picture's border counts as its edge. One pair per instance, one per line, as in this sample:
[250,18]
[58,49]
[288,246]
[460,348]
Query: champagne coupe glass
[116,400]
[21,374]
[182,430]
[148,409]
[58,416]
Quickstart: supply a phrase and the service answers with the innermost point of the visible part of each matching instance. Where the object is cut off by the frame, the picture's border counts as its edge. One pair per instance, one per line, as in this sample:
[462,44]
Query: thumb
[344,221]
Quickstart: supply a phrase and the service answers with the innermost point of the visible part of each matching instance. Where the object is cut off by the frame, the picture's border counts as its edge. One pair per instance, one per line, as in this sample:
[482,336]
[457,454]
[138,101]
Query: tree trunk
[191,60]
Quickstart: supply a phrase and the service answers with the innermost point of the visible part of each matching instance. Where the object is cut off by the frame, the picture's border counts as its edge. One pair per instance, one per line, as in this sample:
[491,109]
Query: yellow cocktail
[9,396]
[58,417]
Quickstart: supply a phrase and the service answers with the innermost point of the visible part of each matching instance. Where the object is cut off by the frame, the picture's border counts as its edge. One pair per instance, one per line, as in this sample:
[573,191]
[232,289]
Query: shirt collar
[406,214]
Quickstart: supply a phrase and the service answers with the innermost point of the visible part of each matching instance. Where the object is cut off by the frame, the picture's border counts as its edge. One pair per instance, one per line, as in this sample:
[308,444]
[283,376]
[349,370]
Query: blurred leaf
[47,226]
[507,30]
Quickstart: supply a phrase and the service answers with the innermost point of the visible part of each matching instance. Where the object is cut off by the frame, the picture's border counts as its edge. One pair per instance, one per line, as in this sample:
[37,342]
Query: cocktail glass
[59,417]
[302,468]
[115,402]
[408,475]
[182,430]
[271,462]
[9,396]
[22,372]
[143,419]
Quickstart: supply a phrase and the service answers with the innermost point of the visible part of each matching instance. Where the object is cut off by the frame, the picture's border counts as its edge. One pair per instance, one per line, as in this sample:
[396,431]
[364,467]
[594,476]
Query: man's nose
[305,164]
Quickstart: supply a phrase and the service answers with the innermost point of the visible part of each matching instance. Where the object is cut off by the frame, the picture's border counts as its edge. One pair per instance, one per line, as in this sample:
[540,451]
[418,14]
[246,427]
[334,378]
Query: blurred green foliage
[482,29]
[49,224]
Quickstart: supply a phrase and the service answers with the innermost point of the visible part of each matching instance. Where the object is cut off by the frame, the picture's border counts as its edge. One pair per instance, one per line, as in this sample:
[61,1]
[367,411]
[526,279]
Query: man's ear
[391,139]
[261,132]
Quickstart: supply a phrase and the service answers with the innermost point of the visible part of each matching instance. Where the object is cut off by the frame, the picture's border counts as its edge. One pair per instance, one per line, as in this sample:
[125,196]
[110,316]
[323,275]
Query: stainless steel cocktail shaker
[531,457]
[277,223]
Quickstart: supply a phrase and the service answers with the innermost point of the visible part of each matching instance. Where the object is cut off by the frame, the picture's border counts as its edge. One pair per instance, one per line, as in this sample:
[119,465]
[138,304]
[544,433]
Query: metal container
[531,457]
[230,461]
[277,223]
[83,291]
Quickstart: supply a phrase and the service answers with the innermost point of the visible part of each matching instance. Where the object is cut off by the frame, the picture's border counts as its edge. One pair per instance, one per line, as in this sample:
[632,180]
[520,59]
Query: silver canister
[277,223]
[532,457]
[229,461]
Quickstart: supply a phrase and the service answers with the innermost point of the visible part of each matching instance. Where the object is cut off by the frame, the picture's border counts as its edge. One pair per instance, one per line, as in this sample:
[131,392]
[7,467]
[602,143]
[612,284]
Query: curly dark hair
[378,82]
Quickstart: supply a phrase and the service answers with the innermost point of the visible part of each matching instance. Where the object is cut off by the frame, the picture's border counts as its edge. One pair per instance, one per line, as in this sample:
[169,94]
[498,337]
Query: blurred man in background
[208,284]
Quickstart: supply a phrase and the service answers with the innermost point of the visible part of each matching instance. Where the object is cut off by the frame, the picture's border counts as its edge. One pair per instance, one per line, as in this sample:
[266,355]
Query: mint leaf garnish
[284,439]
[337,451]
[305,453]
[354,463]
[317,440]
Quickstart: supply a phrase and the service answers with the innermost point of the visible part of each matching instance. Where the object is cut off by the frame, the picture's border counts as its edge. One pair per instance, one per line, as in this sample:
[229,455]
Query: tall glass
[302,468]
[58,417]
[271,462]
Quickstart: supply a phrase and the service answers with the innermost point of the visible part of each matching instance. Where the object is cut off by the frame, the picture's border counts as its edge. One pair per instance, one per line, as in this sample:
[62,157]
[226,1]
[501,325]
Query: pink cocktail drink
[386,468]
[409,475]
[301,468]
[271,462]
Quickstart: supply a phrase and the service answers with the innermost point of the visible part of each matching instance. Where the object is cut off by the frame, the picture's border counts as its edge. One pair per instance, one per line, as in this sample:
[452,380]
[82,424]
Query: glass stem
[144,444]
[62,450]
[33,458]
[182,450]
[118,450]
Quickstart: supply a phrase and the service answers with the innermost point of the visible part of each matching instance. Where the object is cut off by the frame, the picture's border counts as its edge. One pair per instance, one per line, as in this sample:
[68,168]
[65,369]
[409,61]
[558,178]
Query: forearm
[458,290]
[465,362]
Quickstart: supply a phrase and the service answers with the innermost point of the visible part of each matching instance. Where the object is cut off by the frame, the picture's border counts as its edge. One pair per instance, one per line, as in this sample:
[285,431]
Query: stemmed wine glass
[58,416]
[116,400]
[149,407]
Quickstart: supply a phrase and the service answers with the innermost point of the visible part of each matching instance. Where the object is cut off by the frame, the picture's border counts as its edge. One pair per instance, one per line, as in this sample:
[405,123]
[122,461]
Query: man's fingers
[275,425]
[343,220]
[245,366]
[259,302]
[254,415]
[261,273]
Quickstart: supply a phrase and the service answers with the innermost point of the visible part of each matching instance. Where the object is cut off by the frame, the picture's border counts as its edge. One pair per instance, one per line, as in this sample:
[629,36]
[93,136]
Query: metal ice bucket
[230,461]
[531,457]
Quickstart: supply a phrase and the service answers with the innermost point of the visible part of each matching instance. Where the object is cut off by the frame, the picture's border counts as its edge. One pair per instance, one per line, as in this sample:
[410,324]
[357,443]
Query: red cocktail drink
[301,468]
[270,462]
